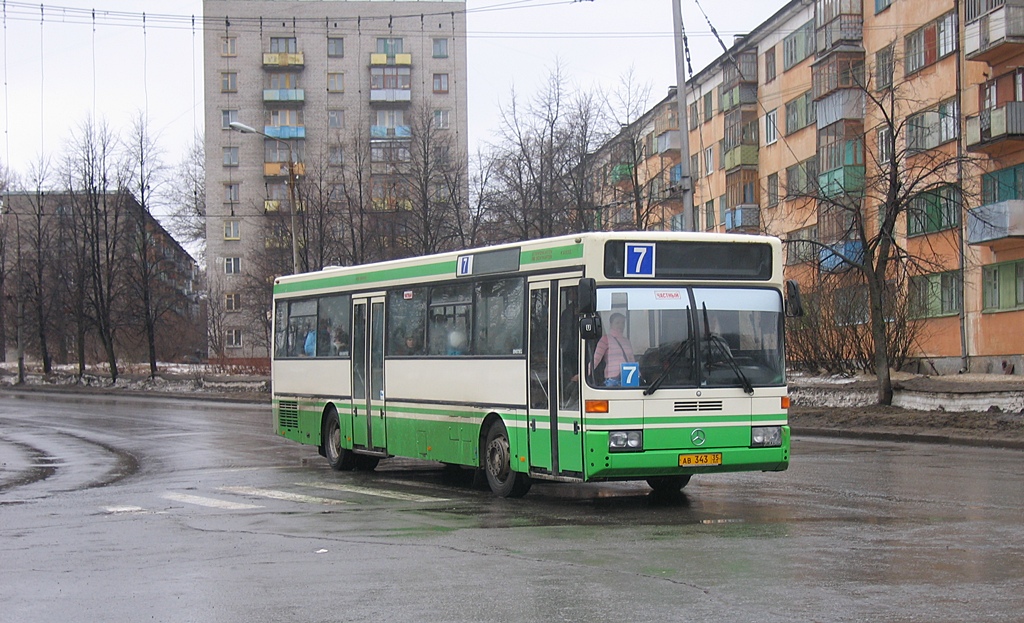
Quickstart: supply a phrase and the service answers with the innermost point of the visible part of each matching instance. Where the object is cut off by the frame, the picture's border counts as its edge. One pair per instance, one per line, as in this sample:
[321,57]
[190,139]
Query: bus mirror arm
[587,296]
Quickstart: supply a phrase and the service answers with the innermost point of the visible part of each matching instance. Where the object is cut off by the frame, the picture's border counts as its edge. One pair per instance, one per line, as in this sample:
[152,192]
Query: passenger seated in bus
[409,346]
[456,342]
[614,349]
[309,348]
[340,343]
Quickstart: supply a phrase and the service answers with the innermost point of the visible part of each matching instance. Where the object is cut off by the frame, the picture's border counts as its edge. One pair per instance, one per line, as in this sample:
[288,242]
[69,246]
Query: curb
[1005,444]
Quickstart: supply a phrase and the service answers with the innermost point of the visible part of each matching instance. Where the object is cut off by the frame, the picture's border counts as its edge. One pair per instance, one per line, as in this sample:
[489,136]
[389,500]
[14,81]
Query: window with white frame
[930,43]
[336,82]
[232,229]
[441,119]
[935,295]
[228,81]
[231,156]
[227,117]
[227,46]
[232,266]
[771,127]
[335,47]
[335,119]
[440,83]
[884,67]
[440,48]
[709,160]
[232,302]
[884,138]
[231,193]
[233,338]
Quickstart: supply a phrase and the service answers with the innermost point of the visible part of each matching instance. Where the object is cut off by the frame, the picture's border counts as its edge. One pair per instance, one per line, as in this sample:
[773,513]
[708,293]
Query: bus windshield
[678,337]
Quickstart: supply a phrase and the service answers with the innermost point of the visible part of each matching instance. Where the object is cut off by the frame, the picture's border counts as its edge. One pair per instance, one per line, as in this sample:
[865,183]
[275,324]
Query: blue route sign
[639,260]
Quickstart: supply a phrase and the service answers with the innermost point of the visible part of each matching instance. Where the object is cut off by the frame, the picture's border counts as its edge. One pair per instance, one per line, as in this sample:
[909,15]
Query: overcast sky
[59,65]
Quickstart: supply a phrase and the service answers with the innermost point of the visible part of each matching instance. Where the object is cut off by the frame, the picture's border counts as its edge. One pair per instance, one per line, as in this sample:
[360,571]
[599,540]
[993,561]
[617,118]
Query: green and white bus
[594,357]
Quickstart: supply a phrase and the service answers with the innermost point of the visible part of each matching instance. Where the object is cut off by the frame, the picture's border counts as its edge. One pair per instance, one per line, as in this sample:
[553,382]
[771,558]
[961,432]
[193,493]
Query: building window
[709,214]
[227,117]
[232,266]
[233,338]
[709,108]
[695,166]
[884,67]
[935,295]
[930,43]
[231,193]
[440,83]
[1003,286]
[335,47]
[335,119]
[798,46]
[934,210]
[881,5]
[228,82]
[283,45]
[885,147]
[227,46]
[769,65]
[283,80]
[231,156]
[389,45]
[284,117]
[336,82]
[441,119]
[802,178]
[800,113]
[709,160]
[1018,85]
[771,127]
[931,128]
[335,155]
[773,189]
[231,230]
[440,48]
[233,302]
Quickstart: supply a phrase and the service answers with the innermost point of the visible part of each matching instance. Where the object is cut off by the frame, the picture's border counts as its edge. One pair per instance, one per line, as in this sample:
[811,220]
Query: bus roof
[561,252]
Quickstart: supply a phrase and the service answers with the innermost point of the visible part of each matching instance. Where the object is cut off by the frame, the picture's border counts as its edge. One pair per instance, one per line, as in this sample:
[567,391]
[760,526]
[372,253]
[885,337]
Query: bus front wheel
[498,465]
[341,460]
[667,484]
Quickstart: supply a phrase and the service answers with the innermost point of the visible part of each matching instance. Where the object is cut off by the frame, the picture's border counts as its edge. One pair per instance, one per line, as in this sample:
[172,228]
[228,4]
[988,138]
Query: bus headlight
[765,436]
[625,441]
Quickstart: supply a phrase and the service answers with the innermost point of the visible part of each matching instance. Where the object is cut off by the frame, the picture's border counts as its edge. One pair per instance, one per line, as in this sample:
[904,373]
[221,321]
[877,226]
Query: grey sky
[59,65]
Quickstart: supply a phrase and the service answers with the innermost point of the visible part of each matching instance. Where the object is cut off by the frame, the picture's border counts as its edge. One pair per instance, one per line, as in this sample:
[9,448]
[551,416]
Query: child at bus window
[409,346]
[613,348]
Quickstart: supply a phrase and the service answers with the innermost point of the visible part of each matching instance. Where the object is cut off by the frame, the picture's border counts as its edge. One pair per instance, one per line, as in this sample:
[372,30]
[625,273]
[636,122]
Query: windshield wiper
[673,358]
[723,347]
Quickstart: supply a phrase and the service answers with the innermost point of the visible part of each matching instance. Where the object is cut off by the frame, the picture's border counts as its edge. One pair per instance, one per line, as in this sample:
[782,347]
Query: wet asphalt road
[134,509]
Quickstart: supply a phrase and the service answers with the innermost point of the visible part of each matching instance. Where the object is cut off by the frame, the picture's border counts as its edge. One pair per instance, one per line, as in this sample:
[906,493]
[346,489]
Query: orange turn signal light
[596,406]
[785,402]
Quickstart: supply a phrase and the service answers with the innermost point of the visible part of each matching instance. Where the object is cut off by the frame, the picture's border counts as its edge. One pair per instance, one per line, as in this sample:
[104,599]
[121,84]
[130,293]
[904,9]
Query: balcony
[997,131]
[284,95]
[390,95]
[383,131]
[836,257]
[276,60]
[740,156]
[997,35]
[280,169]
[846,180]
[737,96]
[844,29]
[668,141]
[743,219]
[996,225]
[621,173]
[390,59]
[285,131]
[271,205]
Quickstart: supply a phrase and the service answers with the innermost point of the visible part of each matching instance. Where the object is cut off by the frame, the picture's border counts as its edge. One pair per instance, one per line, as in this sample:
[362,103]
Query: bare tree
[186,198]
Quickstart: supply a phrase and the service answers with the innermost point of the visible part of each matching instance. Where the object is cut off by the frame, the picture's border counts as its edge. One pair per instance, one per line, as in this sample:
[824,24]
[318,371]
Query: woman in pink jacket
[613,348]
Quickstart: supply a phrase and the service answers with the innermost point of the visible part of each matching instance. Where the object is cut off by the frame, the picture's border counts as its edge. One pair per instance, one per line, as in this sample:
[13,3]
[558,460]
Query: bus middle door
[368,408]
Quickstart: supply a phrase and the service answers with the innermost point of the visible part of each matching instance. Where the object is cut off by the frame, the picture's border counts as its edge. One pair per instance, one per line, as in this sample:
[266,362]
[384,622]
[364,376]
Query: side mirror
[590,326]
[587,296]
[794,306]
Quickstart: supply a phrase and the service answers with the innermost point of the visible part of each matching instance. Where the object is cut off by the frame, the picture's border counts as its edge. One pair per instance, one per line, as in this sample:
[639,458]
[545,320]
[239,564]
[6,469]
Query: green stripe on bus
[535,256]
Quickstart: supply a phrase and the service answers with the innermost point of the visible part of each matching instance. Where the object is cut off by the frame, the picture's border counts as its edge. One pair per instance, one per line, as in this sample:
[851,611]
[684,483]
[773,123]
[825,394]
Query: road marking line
[282,495]
[114,510]
[394,495]
[208,502]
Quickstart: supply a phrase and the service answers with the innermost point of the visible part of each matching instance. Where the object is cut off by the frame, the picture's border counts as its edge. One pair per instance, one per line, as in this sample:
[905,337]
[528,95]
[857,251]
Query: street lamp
[245,129]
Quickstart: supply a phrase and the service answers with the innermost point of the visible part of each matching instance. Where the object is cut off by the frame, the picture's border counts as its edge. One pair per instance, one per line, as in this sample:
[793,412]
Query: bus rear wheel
[668,484]
[341,460]
[498,465]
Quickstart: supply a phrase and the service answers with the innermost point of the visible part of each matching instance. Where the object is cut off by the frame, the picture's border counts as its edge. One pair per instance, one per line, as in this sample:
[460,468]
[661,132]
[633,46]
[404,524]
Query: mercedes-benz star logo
[698,437]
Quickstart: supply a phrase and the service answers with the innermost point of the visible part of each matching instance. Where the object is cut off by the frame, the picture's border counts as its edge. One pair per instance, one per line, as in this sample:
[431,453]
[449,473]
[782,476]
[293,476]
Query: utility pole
[685,180]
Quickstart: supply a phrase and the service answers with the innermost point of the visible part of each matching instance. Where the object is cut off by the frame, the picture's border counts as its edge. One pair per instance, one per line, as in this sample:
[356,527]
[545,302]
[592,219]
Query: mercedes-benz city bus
[595,357]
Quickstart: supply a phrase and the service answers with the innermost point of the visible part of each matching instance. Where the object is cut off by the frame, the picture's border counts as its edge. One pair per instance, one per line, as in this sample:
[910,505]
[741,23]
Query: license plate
[707,458]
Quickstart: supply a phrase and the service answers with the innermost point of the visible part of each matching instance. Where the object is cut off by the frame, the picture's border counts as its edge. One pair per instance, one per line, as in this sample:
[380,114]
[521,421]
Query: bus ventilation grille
[698,405]
[288,413]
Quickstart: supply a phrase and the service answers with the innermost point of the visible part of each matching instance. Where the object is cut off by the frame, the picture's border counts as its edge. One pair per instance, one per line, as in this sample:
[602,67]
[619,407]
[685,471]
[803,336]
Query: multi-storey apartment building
[340,94]
[818,122]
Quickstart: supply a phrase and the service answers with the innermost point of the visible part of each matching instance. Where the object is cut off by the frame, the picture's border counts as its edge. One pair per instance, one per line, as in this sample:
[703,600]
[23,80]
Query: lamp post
[245,129]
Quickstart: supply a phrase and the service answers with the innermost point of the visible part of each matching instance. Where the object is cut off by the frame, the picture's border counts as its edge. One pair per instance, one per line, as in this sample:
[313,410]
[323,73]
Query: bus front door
[368,406]
[554,424]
